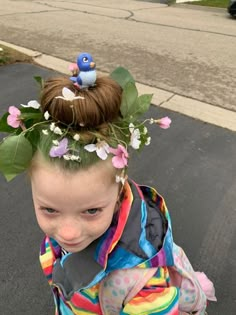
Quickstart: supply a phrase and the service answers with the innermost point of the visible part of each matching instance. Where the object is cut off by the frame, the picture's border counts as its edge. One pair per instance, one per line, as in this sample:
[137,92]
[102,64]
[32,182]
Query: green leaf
[143,104]
[30,116]
[30,110]
[129,98]
[33,136]
[34,116]
[15,156]
[39,80]
[122,76]
[4,127]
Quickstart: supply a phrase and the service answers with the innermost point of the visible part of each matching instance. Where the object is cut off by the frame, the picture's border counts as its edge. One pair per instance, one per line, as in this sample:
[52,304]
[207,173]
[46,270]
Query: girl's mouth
[71,244]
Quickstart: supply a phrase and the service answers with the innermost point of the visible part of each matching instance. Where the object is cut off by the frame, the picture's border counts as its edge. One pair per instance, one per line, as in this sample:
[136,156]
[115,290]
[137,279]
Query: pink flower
[207,286]
[164,122]
[13,119]
[120,159]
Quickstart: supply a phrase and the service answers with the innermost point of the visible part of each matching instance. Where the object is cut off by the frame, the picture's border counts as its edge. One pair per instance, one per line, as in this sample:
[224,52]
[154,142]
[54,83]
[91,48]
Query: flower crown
[25,126]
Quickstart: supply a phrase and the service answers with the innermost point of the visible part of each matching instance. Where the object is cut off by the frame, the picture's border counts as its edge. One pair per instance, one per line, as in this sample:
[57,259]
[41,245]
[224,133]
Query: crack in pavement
[128,18]
[86,12]
[58,9]
[168,99]
[183,28]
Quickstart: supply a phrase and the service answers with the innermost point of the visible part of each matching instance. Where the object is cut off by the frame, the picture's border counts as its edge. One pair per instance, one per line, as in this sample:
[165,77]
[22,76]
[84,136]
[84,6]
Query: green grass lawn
[212,3]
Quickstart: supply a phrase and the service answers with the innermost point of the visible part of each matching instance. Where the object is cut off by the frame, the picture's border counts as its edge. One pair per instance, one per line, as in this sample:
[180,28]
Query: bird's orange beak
[92,64]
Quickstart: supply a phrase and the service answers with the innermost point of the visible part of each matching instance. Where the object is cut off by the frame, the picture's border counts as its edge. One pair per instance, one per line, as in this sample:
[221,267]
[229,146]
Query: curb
[205,112]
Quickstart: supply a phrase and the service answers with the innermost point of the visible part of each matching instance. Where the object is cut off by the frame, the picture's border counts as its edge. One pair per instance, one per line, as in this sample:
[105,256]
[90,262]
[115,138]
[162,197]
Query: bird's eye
[85,59]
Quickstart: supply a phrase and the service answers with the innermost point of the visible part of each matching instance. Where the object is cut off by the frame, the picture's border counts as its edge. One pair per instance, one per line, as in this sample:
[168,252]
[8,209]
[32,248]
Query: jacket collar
[142,234]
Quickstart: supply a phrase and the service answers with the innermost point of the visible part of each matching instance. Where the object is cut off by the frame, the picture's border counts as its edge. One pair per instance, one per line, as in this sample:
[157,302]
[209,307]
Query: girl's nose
[69,232]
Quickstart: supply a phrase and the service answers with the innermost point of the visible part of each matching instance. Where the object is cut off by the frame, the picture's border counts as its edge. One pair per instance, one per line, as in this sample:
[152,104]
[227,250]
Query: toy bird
[86,76]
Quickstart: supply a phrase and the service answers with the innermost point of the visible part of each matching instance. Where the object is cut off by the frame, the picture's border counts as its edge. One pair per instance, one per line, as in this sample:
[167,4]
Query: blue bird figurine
[87,73]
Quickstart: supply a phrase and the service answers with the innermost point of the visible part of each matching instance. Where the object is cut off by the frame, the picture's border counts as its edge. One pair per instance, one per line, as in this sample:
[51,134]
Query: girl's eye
[50,210]
[92,211]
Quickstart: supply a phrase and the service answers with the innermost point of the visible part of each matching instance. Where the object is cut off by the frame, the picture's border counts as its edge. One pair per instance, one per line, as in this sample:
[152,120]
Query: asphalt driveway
[192,165]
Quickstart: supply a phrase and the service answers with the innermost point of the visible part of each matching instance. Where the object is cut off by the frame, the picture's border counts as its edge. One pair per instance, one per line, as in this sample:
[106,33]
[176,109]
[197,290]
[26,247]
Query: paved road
[192,164]
[181,49]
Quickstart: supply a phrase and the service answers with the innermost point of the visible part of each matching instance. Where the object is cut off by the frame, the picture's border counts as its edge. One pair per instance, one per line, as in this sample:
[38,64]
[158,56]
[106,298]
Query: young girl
[108,246]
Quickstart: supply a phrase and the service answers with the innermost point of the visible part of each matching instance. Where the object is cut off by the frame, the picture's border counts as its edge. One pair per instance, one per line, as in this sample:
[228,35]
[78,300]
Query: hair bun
[100,104]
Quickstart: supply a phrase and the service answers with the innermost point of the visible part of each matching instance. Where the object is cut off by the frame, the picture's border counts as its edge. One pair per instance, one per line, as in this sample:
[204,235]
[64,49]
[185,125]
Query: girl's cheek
[44,223]
[102,226]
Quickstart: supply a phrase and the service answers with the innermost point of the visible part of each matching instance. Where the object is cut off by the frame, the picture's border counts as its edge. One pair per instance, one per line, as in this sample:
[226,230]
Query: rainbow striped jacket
[133,268]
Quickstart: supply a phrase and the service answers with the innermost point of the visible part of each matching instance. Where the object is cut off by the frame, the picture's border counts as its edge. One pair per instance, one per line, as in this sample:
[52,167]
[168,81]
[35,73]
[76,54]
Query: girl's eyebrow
[44,204]
[46,207]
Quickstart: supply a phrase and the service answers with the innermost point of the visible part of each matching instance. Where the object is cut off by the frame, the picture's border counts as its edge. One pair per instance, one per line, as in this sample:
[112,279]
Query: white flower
[67,157]
[101,148]
[68,95]
[71,157]
[57,131]
[52,126]
[120,179]
[151,121]
[45,132]
[46,115]
[145,130]
[76,137]
[75,157]
[33,104]
[55,142]
[135,137]
[1,49]
[148,141]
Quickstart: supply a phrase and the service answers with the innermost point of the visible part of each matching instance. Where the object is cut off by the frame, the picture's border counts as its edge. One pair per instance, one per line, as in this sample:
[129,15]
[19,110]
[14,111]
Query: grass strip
[10,56]
[211,3]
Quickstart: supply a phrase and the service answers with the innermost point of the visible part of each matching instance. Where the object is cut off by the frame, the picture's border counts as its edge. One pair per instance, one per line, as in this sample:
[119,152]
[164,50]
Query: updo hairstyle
[101,103]
[89,117]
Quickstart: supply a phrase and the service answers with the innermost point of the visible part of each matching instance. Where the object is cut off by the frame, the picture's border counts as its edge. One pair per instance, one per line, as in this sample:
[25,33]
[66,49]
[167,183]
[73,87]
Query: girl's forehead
[83,189]
[47,174]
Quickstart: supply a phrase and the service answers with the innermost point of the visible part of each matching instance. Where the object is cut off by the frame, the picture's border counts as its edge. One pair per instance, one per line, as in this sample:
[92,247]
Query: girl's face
[74,208]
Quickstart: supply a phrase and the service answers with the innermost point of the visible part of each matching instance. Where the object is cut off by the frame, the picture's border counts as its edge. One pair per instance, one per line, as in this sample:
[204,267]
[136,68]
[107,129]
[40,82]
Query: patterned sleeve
[138,291]
[192,297]
[153,301]
[165,290]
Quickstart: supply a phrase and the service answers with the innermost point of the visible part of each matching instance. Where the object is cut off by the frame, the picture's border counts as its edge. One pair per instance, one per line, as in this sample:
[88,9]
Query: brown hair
[101,103]
[89,117]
